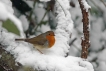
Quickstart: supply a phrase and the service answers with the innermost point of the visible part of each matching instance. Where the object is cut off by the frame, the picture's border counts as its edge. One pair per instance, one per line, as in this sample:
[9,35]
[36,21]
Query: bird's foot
[39,51]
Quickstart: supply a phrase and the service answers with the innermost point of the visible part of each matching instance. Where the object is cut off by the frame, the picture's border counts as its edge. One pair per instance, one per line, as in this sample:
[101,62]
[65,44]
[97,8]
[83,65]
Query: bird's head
[50,33]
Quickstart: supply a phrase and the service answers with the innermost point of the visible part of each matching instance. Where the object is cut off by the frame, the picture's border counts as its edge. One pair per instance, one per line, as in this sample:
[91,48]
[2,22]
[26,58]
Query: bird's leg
[39,51]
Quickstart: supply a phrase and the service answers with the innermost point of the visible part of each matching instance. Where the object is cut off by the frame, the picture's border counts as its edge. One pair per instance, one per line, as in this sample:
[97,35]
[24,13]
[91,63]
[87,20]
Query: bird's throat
[51,40]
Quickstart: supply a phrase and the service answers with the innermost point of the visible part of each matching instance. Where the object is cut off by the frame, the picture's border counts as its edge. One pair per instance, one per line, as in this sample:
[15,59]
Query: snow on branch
[6,13]
[28,57]
[64,27]
[86,6]
[44,0]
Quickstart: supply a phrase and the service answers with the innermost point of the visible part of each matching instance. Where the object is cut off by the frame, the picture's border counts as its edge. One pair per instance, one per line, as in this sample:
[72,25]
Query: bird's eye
[49,34]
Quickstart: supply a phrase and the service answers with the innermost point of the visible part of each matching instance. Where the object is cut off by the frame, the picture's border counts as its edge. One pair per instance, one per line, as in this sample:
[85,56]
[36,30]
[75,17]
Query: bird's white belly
[41,47]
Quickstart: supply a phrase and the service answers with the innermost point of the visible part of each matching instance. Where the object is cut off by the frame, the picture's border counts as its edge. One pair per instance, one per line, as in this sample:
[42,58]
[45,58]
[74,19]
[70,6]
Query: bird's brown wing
[37,41]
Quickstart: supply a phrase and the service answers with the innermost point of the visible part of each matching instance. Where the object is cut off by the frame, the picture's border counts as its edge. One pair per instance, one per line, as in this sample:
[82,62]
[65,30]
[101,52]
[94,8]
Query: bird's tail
[19,39]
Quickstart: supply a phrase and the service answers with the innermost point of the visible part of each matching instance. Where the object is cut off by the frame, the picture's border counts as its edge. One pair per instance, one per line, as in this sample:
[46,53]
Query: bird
[43,41]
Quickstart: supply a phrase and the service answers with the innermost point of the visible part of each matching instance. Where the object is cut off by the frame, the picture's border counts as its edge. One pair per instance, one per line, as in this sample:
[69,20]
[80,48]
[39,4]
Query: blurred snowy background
[97,17]
[38,17]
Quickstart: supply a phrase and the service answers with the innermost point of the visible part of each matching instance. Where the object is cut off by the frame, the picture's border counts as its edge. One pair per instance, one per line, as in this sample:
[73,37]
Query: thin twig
[85,40]
[30,16]
[35,28]
[72,41]
[62,8]
[32,23]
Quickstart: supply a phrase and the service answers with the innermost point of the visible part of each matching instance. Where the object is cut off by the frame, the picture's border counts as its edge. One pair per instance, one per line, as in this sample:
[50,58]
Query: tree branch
[7,61]
[85,40]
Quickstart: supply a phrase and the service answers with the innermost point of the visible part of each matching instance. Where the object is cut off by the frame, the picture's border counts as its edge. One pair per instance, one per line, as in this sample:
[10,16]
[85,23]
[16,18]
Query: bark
[85,40]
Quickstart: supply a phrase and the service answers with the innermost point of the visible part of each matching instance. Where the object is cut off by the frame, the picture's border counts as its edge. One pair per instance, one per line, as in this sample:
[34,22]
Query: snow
[44,0]
[101,56]
[86,6]
[5,14]
[25,23]
[18,23]
[87,65]
[102,66]
[26,55]
[8,5]
[94,35]
[44,28]
[62,17]
[40,13]
[40,5]
[64,8]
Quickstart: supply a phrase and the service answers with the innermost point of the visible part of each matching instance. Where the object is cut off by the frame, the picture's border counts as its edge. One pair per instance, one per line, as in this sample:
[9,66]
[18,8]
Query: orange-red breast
[42,41]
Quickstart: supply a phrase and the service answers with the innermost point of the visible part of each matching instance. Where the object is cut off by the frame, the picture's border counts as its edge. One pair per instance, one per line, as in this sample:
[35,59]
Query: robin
[43,41]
